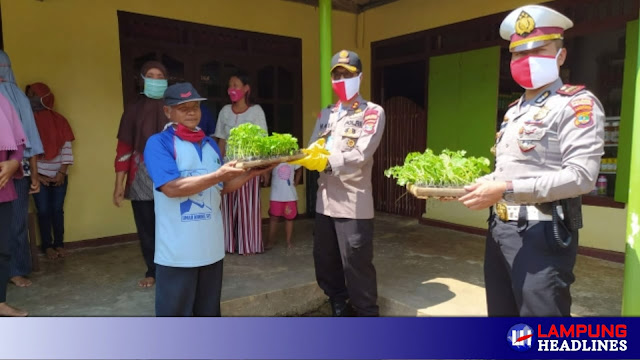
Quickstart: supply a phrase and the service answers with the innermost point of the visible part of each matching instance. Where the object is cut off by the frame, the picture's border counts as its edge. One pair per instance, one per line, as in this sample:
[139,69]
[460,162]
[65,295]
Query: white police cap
[531,26]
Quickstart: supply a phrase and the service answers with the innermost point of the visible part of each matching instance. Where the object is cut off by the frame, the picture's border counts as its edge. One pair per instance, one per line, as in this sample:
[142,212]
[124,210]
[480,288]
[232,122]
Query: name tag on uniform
[354,123]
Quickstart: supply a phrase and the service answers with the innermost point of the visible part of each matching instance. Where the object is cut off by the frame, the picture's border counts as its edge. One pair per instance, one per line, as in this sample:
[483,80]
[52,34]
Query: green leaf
[449,168]
[249,140]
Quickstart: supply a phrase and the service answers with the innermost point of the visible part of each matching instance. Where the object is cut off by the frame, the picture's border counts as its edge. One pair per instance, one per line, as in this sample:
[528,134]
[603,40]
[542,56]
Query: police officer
[548,154]
[343,238]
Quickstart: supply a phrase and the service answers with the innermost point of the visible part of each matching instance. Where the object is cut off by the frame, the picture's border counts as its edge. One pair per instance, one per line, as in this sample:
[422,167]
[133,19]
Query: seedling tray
[264,162]
[426,192]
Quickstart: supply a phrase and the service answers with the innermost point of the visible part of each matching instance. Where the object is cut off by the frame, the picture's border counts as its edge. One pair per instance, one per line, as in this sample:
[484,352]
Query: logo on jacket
[198,206]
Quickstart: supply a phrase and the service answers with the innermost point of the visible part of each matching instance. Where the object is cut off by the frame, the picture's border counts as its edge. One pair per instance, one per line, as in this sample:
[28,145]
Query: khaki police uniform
[550,149]
[343,237]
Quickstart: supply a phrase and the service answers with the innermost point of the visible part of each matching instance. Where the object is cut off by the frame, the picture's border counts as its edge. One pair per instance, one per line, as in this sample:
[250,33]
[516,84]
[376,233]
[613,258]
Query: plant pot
[425,192]
[247,164]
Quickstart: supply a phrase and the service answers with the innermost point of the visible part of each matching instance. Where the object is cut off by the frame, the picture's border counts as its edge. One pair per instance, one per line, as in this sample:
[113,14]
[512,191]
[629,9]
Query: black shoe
[341,309]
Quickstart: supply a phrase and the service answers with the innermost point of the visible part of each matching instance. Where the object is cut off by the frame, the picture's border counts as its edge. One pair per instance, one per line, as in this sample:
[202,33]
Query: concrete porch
[422,271]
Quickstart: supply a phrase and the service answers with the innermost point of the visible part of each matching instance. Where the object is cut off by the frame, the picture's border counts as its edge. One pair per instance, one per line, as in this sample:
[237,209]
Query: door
[405,131]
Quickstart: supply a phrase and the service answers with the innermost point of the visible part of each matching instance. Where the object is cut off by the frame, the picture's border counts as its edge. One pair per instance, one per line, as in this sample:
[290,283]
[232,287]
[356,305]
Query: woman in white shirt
[241,211]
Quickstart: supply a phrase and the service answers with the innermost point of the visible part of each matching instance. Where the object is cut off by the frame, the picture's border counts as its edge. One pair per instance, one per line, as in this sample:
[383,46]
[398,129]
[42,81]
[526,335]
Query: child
[284,179]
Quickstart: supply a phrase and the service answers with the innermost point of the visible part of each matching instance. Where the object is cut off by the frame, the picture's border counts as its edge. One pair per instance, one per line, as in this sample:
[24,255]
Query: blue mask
[154,88]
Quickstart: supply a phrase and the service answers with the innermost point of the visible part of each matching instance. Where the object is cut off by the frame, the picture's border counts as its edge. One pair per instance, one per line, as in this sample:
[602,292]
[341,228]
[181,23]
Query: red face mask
[186,134]
[235,94]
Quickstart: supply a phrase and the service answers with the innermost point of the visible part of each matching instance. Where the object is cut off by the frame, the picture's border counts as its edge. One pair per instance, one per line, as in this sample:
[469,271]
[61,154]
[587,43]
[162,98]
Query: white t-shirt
[282,183]
[227,120]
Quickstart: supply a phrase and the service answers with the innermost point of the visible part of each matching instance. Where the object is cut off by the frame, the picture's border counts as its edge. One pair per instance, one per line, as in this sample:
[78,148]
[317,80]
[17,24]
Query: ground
[422,271]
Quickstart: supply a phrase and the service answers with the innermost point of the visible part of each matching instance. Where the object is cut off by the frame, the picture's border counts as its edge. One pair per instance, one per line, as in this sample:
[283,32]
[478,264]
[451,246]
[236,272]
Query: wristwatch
[507,195]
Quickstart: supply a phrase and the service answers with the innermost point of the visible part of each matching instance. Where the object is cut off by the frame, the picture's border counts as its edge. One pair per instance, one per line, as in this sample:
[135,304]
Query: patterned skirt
[242,219]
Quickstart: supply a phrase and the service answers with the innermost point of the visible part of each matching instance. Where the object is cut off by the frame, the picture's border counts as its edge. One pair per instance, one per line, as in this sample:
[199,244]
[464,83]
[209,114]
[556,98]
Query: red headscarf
[54,129]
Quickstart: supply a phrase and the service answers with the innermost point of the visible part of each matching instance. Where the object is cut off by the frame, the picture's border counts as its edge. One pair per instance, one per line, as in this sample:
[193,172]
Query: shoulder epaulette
[570,90]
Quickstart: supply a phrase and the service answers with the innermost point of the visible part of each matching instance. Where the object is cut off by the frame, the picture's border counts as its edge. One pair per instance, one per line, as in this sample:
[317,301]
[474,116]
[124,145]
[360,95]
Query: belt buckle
[501,211]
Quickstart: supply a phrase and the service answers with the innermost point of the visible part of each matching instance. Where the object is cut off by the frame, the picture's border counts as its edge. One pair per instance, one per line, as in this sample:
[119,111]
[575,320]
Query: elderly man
[189,178]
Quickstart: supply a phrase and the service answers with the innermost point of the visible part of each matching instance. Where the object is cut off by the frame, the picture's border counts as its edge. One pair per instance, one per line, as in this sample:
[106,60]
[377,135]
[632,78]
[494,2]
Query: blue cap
[348,60]
[180,93]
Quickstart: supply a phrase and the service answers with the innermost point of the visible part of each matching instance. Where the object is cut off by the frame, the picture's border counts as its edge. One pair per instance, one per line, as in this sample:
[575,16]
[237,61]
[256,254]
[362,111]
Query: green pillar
[631,290]
[326,94]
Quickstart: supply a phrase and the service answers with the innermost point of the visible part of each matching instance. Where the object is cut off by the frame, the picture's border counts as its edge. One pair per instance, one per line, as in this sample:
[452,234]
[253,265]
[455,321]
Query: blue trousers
[20,264]
[49,203]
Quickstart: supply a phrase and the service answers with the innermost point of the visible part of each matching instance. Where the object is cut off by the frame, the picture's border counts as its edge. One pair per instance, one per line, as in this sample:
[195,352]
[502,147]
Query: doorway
[403,94]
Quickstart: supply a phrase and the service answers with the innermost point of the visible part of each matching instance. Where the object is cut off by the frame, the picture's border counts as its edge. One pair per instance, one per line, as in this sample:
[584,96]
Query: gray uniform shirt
[353,135]
[550,147]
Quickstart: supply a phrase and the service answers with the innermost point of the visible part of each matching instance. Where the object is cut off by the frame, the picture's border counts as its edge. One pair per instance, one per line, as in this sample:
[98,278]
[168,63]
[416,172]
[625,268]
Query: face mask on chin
[347,89]
[187,134]
[535,71]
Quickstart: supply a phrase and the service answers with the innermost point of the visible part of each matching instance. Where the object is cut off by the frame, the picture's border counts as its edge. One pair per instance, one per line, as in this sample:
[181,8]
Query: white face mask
[535,71]
[347,89]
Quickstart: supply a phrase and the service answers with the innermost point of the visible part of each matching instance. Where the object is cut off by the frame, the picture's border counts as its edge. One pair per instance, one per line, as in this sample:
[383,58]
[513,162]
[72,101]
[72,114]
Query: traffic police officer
[343,238]
[548,154]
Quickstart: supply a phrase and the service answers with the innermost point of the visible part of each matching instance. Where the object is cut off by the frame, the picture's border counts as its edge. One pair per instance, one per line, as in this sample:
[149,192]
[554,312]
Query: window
[207,56]
[597,61]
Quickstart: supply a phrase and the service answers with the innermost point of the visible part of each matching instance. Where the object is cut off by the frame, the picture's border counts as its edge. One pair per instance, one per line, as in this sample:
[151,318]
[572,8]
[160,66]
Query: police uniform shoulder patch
[570,90]
[371,114]
[583,109]
[370,119]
